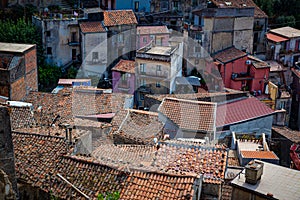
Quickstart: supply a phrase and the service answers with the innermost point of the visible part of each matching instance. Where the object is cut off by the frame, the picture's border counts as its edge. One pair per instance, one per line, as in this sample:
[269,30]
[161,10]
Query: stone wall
[6,191]
[7,163]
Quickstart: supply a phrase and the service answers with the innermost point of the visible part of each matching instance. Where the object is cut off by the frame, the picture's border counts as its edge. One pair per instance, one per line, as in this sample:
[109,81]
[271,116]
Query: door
[73,54]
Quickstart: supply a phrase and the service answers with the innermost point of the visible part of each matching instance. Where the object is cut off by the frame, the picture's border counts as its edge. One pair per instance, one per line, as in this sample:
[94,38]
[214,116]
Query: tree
[109,196]
[48,76]
[21,32]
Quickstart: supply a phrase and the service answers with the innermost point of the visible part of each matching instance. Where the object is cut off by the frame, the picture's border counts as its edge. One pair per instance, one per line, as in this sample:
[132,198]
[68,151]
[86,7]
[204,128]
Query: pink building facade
[123,77]
[159,35]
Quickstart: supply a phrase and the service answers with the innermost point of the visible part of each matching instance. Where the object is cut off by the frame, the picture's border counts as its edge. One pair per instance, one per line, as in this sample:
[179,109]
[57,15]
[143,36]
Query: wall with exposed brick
[7,163]
[18,90]
[31,81]
[30,60]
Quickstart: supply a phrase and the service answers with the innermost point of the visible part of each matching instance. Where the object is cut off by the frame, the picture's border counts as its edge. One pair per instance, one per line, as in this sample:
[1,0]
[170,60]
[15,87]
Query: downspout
[200,186]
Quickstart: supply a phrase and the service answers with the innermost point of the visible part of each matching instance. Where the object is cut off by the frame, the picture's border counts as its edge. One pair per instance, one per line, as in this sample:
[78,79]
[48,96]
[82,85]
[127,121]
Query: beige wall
[221,41]
[244,40]
[243,23]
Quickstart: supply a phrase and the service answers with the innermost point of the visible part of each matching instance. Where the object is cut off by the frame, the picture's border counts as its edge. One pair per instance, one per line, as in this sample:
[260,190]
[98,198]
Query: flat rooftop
[160,50]
[287,31]
[283,183]
[13,47]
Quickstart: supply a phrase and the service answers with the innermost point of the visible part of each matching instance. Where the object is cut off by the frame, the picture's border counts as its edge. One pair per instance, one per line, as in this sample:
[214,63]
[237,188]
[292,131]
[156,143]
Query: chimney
[254,171]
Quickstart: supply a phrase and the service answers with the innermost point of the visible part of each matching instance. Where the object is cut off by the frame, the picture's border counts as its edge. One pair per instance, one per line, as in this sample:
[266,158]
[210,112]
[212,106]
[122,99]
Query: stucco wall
[243,40]
[221,41]
[259,126]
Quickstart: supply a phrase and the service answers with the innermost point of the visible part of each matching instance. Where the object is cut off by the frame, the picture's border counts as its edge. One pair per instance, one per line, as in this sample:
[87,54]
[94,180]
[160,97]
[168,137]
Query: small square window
[48,33]
[158,67]
[142,68]
[145,39]
[49,50]
[197,49]
[142,97]
[157,84]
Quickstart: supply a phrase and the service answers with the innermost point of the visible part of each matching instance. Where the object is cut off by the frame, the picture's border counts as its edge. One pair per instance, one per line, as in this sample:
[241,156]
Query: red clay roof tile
[91,27]
[127,66]
[119,17]
[189,115]
[259,154]
[229,54]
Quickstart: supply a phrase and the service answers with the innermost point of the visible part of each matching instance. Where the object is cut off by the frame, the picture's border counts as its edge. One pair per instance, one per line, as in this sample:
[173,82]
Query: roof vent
[254,171]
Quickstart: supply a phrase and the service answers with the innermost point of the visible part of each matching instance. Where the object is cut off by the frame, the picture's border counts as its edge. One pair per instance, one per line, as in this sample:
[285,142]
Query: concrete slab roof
[283,183]
[13,47]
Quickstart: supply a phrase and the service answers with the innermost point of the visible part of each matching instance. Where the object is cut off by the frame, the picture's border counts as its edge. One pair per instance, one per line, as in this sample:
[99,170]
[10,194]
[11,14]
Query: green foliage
[72,72]
[48,76]
[21,32]
[281,12]
[109,196]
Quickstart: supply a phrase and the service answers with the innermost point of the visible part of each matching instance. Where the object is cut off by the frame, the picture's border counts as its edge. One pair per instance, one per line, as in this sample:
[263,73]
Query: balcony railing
[158,74]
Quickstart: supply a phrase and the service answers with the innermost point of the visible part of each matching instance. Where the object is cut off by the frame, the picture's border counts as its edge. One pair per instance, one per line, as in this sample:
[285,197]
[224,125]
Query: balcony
[155,74]
[74,43]
[241,76]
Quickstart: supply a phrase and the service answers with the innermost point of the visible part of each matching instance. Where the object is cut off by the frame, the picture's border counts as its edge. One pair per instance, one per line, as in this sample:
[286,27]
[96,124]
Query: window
[158,68]
[142,97]
[142,68]
[196,61]
[282,105]
[124,77]
[145,39]
[48,33]
[95,56]
[164,5]
[49,50]
[198,36]
[74,39]
[197,49]
[152,37]
[121,37]
[136,6]
[175,5]
[142,82]
[159,41]
[157,84]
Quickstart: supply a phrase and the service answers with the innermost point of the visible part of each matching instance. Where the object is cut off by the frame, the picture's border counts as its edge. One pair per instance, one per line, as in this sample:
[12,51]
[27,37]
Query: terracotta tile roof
[36,156]
[21,117]
[203,96]
[87,102]
[275,38]
[292,135]
[229,54]
[190,115]
[211,162]
[169,158]
[127,66]
[120,156]
[119,17]
[158,186]
[241,110]
[258,13]
[259,154]
[75,102]
[94,178]
[91,27]
[138,127]
[144,30]
[89,177]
